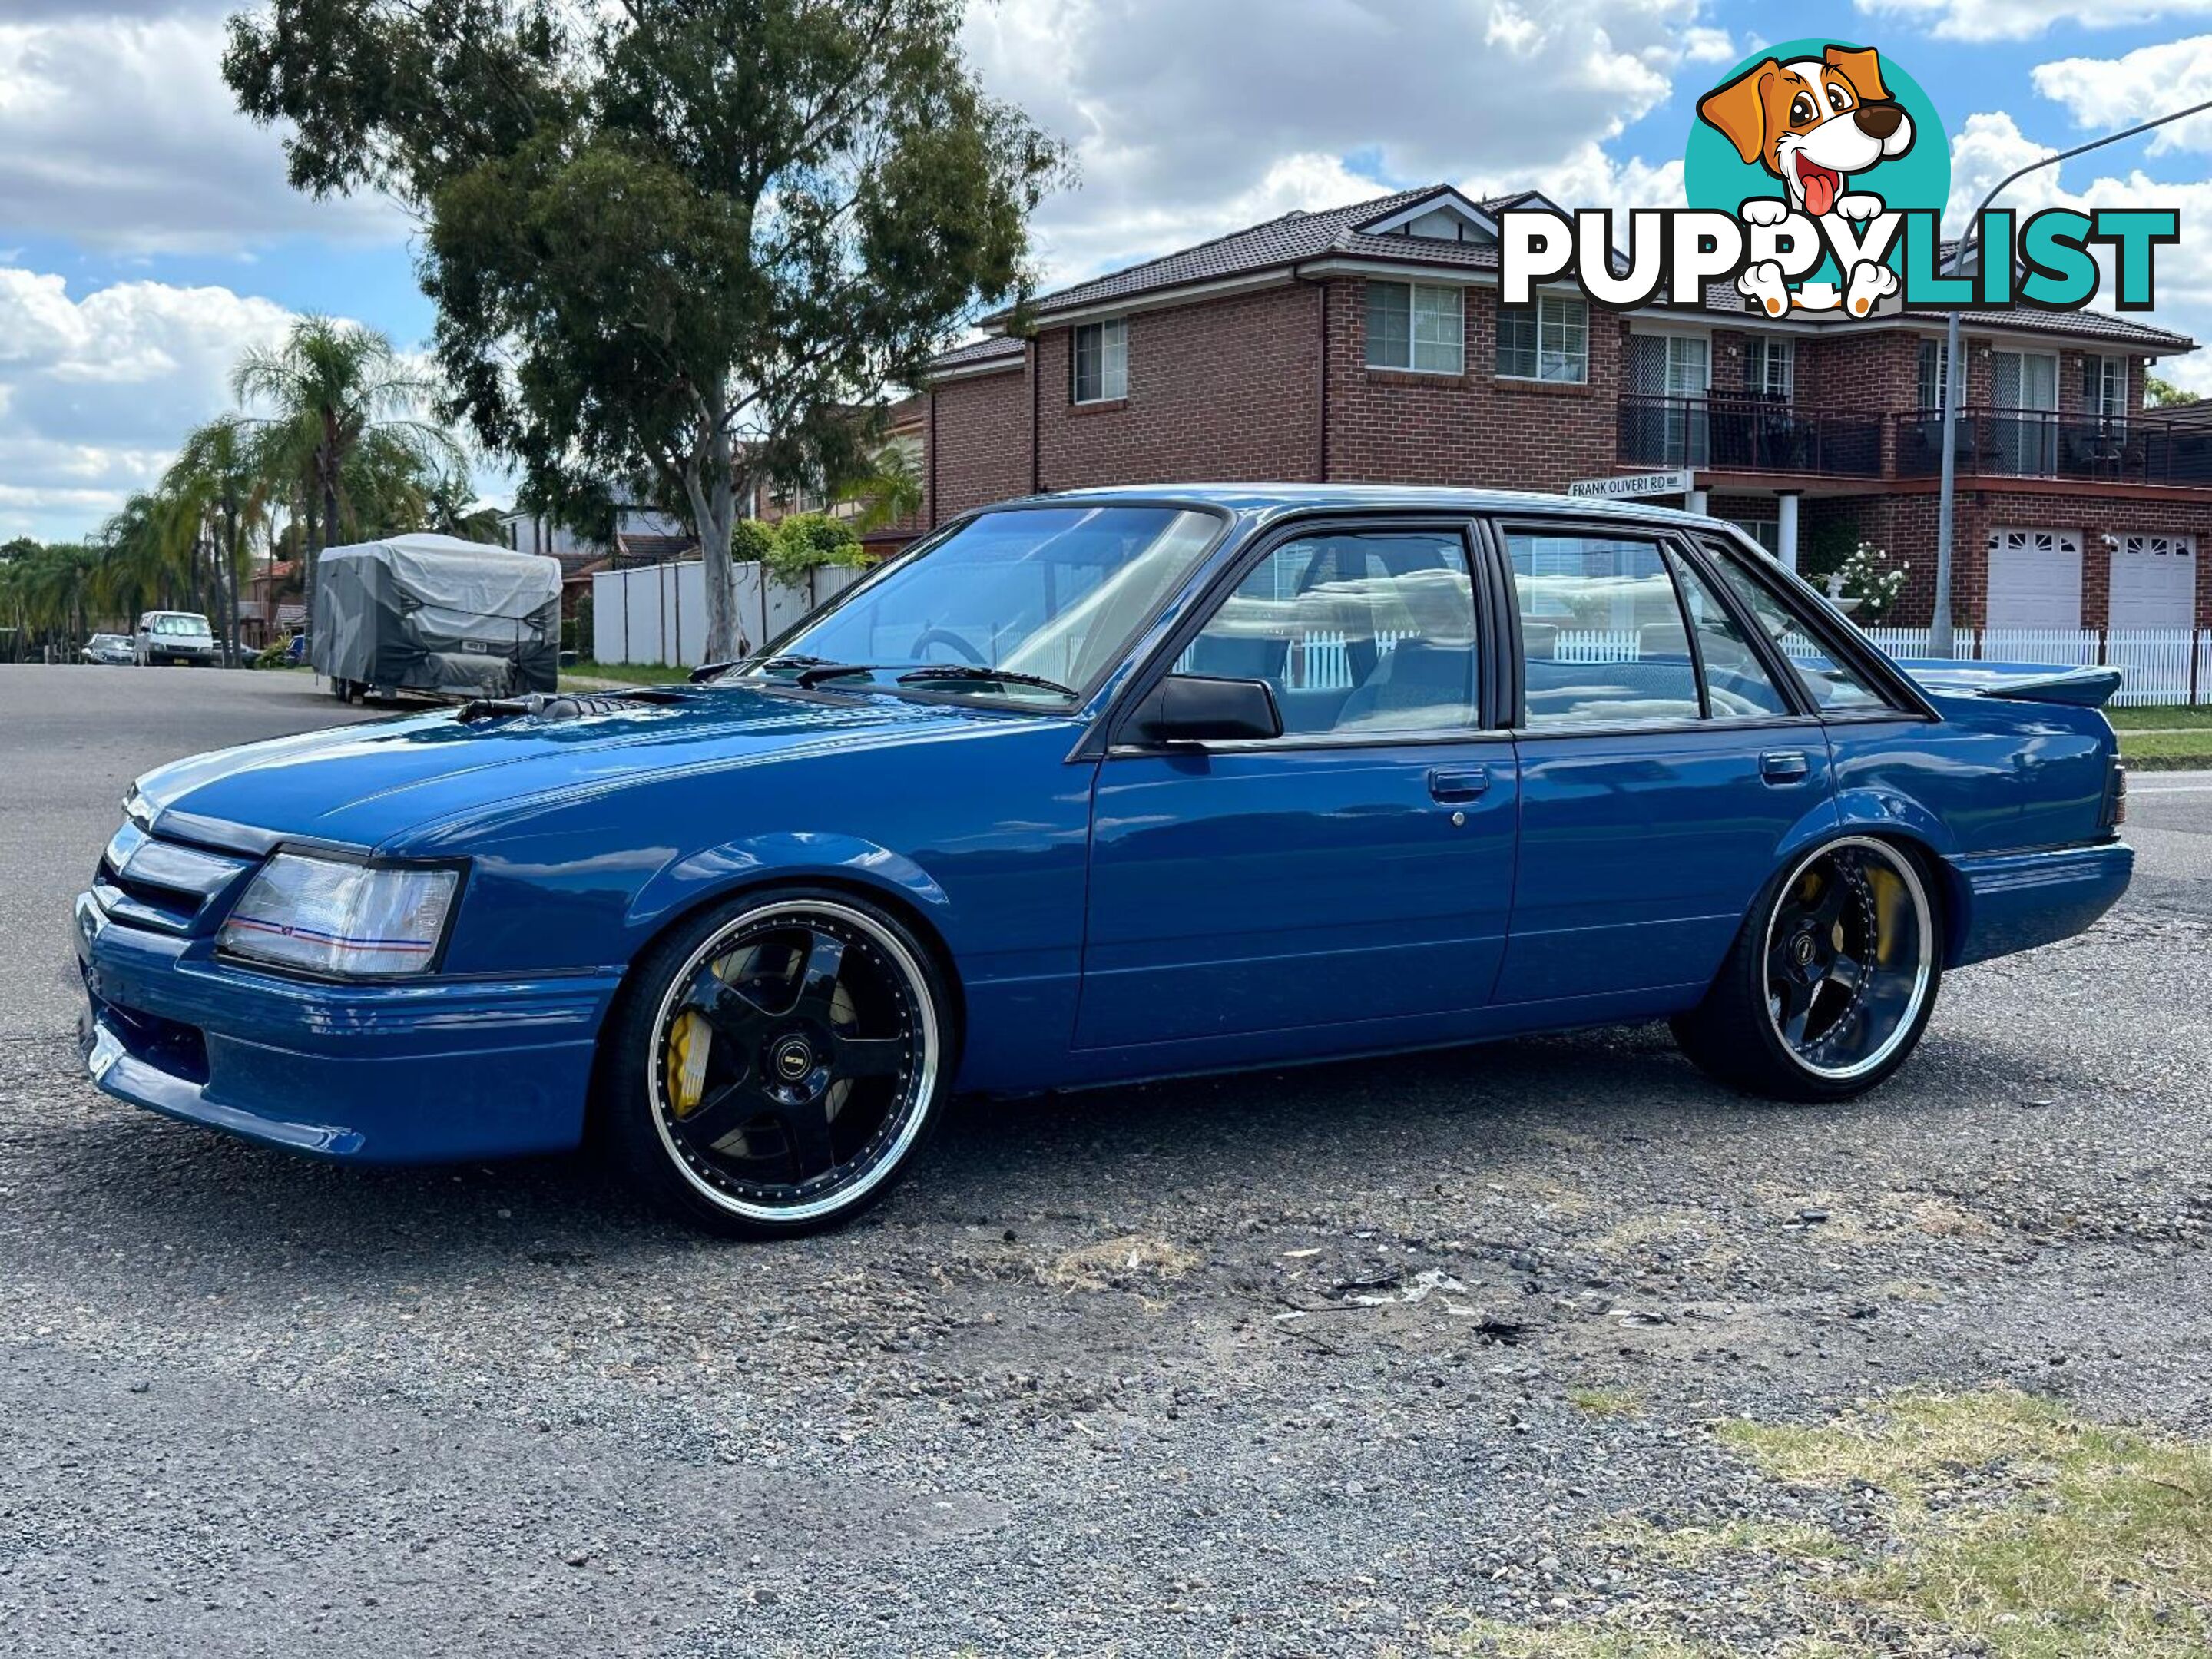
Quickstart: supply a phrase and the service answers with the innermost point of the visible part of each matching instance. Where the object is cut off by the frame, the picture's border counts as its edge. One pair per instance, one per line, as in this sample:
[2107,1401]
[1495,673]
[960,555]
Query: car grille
[147,881]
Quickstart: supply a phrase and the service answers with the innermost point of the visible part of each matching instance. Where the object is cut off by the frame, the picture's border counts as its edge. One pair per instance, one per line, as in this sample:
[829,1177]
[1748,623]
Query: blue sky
[147,237]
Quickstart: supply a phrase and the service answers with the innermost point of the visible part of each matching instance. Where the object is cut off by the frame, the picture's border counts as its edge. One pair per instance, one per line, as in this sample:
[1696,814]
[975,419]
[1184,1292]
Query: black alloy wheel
[784,1058]
[1832,981]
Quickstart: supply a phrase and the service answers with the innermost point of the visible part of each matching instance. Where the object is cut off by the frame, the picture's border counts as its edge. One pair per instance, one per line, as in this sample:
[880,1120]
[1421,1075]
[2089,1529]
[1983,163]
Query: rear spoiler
[2023,682]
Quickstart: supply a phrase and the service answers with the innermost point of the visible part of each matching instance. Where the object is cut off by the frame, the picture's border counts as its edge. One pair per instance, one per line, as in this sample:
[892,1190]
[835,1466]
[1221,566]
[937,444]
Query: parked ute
[175,636]
[1097,787]
[108,650]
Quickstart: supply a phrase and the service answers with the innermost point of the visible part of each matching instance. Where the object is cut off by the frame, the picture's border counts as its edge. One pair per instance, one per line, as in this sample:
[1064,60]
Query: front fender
[785,855]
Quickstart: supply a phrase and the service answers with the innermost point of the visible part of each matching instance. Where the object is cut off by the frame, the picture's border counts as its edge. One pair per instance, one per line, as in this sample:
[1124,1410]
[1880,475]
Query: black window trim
[1803,713]
[1224,525]
[1106,742]
[1905,700]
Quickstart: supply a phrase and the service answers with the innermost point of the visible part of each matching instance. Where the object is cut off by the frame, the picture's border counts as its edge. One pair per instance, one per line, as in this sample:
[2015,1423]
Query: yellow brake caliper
[689,1042]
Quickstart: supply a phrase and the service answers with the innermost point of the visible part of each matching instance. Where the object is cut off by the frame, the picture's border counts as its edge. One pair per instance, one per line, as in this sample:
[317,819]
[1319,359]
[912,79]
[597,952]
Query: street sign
[1680,482]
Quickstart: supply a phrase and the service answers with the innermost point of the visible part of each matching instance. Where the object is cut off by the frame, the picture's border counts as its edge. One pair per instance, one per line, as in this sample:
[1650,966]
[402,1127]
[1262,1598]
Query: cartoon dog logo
[1813,123]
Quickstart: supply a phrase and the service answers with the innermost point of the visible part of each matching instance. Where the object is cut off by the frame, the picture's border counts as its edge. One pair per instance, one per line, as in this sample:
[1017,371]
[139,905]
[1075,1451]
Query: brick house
[1366,343]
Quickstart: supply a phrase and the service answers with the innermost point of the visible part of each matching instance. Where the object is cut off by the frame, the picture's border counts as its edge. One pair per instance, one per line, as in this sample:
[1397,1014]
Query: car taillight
[2116,795]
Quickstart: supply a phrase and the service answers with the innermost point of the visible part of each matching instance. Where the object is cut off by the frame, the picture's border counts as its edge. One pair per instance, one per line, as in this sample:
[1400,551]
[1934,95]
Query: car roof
[1272,500]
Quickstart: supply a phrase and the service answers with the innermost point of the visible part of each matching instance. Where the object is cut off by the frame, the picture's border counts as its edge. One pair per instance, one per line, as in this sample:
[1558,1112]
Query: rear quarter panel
[1994,788]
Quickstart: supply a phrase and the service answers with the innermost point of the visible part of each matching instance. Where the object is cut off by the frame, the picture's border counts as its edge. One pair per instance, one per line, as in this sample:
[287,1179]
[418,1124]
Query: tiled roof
[1290,239]
[631,550]
[2121,331]
[990,347]
[1298,237]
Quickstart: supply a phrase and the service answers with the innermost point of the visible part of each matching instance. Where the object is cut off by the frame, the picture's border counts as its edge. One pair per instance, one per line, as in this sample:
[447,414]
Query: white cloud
[96,392]
[2105,94]
[118,133]
[1190,120]
[2023,19]
[1704,46]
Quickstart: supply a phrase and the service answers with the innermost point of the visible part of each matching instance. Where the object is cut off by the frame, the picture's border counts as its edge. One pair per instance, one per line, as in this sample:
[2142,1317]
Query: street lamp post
[1939,629]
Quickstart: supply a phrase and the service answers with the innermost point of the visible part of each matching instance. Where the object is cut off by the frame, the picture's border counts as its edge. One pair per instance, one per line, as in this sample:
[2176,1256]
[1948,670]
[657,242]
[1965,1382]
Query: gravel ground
[1313,1362]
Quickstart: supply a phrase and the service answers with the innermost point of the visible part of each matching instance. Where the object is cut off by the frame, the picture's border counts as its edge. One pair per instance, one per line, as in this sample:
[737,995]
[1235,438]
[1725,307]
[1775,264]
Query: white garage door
[2035,579]
[2155,581]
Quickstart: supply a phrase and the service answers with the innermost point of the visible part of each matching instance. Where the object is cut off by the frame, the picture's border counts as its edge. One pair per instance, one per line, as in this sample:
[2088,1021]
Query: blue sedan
[1101,786]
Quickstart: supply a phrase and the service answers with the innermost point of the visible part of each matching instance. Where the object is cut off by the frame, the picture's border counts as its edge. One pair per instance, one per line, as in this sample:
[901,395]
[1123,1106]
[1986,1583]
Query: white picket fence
[2157,665]
[657,613]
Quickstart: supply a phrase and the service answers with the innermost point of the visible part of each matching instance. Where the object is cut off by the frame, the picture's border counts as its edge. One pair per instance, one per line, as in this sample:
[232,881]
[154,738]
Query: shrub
[1868,577]
[751,541]
[805,541]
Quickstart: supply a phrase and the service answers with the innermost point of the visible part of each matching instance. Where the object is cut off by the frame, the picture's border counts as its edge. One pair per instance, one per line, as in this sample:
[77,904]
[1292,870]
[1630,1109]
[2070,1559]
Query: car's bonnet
[362,785]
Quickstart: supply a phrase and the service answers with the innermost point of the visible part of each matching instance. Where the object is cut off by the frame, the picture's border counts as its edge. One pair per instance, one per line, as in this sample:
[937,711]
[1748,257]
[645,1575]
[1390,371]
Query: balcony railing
[1752,434]
[2041,443]
[1749,434]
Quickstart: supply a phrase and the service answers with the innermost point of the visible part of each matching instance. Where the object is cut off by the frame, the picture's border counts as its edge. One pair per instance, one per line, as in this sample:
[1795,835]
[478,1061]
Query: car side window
[1835,688]
[1361,631]
[1602,638]
[1737,684]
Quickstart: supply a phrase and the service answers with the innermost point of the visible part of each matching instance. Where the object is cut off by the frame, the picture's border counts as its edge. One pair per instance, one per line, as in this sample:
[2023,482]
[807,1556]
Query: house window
[1102,361]
[1771,370]
[2105,386]
[1547,341]
[1767,532]
[1931,374]
[1414,325]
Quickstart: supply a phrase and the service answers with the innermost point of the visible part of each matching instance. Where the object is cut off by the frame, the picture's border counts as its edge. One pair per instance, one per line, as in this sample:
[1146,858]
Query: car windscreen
[181,624]
[1053,594]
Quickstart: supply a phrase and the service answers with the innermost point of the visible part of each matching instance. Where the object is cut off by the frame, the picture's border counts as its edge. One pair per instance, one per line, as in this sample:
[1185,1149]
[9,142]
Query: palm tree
[213,493]
[138,564]
[334,390]
[54,590]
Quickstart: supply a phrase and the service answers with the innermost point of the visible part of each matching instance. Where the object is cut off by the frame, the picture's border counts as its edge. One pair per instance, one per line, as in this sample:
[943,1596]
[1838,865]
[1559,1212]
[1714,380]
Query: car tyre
[1832,979]
[776,1064]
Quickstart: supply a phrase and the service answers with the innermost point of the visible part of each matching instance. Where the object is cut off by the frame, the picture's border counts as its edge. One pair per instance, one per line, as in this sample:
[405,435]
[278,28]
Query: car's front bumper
[2008,901]
[387,1074]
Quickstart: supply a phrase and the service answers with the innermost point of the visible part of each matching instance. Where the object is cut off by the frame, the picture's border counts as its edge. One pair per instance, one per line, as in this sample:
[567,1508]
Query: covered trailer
[437,613]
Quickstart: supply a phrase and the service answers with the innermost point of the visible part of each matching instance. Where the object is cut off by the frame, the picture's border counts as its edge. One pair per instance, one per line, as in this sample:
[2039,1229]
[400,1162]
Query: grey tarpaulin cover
[435,613]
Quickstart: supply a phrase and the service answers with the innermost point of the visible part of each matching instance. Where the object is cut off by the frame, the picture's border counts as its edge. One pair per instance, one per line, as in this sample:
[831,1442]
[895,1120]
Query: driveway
[1311,1362]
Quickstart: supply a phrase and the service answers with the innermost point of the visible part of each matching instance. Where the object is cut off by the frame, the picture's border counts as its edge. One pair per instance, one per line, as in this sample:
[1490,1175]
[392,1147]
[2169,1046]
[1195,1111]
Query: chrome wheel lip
[1923,973]
[925,1081]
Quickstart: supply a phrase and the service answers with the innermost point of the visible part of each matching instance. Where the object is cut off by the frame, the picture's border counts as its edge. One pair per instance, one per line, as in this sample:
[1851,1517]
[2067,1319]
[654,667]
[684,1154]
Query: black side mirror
[1198,708]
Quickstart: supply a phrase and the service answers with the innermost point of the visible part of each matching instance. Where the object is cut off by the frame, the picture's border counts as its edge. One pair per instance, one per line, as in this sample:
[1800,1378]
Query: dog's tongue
[1820,191]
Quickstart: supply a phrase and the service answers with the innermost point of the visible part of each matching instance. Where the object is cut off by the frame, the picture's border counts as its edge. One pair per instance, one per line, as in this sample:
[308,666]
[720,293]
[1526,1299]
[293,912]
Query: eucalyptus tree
[677,239]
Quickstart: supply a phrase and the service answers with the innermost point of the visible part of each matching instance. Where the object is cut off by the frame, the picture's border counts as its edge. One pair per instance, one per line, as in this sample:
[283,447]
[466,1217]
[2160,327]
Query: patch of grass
[1616,1636]
[2011,1529]
[1495,1639]
[1605,1402]
[2020,1529]
[1110,1260]
[1690,1547]
[625,673]
[2167,751]
[2161,718]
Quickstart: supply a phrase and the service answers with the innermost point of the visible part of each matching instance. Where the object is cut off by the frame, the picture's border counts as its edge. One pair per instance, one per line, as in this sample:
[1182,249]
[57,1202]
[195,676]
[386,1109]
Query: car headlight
[355,921]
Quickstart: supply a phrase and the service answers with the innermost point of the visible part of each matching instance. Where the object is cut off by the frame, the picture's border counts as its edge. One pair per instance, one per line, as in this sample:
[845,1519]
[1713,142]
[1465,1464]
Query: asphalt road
[1280,1364]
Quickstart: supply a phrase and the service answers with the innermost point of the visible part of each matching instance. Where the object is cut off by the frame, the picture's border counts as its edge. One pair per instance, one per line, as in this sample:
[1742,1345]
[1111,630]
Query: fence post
[2196,650]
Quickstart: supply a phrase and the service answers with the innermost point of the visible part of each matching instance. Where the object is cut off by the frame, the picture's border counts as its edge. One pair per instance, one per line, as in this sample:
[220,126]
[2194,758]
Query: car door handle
[1785,766]
[1463,783]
